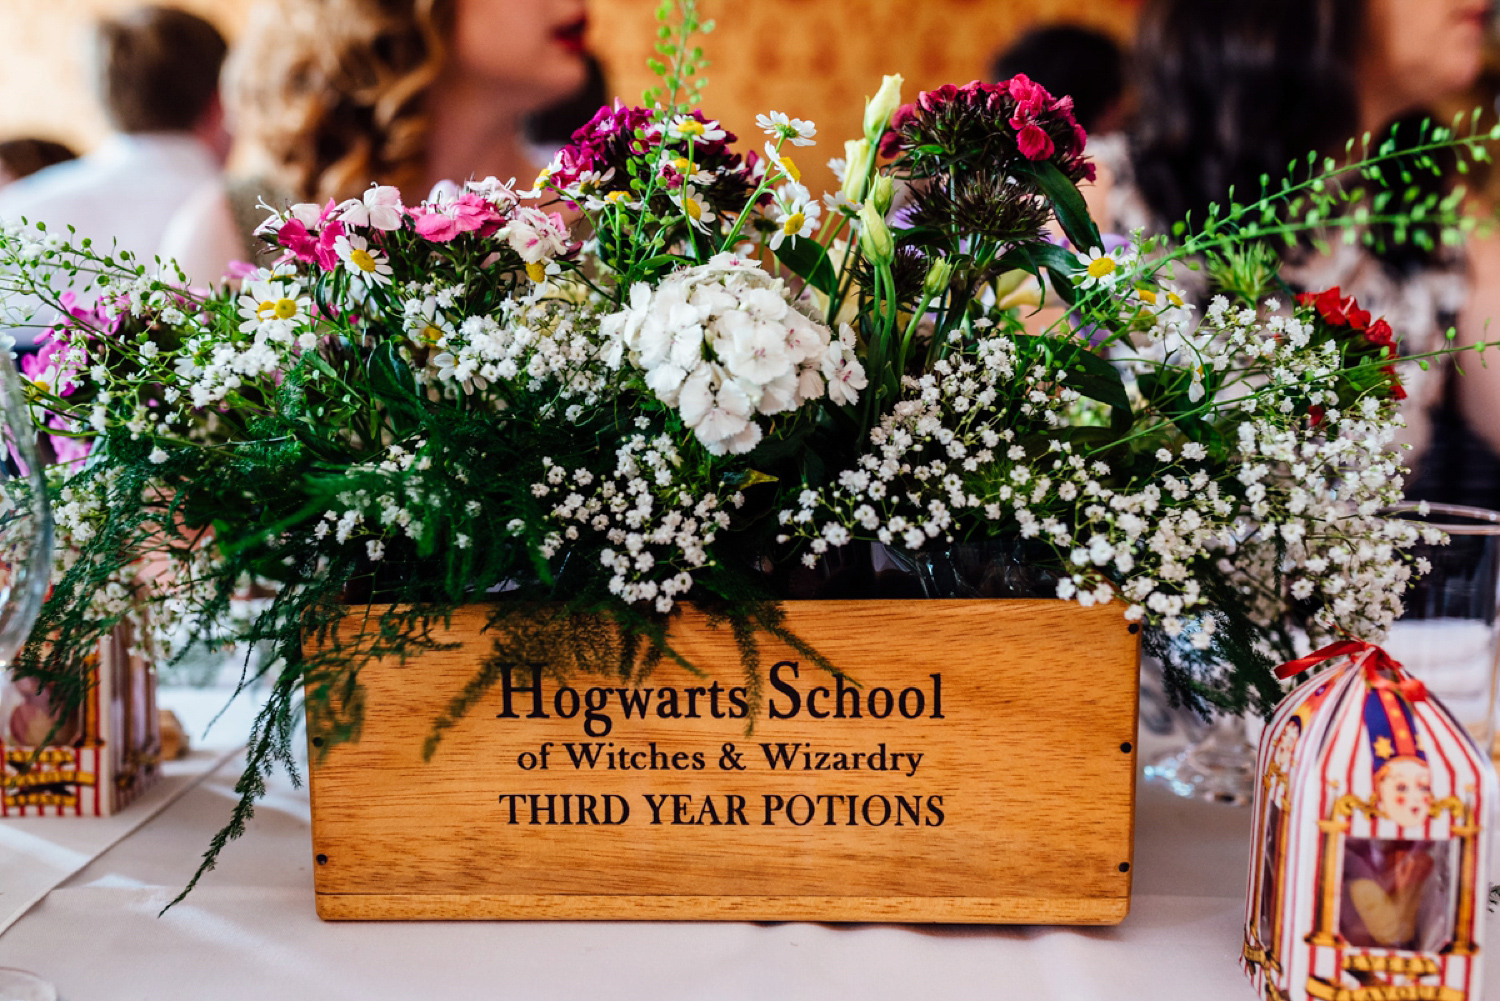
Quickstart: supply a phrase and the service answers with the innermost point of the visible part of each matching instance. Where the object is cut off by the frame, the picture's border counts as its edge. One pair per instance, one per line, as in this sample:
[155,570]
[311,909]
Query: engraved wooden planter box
[988,777]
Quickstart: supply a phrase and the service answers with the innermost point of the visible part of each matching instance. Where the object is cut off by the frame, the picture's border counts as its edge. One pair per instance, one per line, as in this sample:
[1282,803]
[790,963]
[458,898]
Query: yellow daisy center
[691,128]
[793,223]
[681,164]
[362,260]
[42,385]
[790,169]
[1174,298]
[1102,267]
[616,196]
[1147,296]
[542,178]
[692,208]
[536,271]
[430,334]
[280,309]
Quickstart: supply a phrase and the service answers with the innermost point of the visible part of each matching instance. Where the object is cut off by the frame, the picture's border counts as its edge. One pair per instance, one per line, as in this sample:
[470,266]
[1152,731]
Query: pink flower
[65,447]
[537,235]
[443,221]
[49,365]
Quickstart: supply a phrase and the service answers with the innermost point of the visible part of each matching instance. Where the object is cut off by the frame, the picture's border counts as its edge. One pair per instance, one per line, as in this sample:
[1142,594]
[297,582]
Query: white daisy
[1161,299]
[369,267]
[778,126]
[783,163]
[274,307]
[424,322]
[1100,268]
[684,167]
[687,127]
[612,199]
[837,201]
[693,205]
[796,214]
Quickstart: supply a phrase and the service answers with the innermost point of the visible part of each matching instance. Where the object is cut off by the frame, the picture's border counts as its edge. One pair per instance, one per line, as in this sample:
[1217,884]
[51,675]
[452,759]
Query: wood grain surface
[1019,809]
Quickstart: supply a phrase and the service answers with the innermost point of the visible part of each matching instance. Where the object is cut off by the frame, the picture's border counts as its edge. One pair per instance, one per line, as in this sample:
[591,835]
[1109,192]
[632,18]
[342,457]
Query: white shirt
[125,191]
[203,237]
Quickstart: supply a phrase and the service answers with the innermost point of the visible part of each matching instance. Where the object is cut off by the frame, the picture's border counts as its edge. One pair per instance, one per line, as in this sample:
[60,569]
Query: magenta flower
[1034,142]
[987,126]
[309,234]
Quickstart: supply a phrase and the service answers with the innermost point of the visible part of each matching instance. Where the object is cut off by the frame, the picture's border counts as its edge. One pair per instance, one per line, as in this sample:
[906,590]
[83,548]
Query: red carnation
[1330,306]
[1359,319]
[1380,334]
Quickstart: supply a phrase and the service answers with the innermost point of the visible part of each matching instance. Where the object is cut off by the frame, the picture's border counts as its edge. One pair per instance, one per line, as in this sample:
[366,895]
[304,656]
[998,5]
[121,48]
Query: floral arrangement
[668,373]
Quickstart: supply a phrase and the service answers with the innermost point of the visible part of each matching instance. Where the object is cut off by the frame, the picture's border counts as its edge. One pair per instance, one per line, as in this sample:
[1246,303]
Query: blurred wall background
[809,58]
[45,89]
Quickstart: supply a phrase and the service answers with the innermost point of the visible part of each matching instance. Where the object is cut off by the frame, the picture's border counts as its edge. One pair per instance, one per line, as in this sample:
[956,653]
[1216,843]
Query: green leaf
[1085,371]
[392,382]
[1072,212]
[1093,376]
[1034,257]
[654,267]
[1166,391]
[807,259]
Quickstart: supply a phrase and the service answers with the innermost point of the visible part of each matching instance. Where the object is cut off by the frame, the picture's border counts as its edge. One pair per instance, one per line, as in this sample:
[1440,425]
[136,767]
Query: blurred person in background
[23,157]
[1233,90]
[157,76]
[335,95]
[552,128]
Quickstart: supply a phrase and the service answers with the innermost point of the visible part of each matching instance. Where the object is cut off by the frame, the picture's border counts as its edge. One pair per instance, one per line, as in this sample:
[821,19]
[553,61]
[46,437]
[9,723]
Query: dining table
[94,925]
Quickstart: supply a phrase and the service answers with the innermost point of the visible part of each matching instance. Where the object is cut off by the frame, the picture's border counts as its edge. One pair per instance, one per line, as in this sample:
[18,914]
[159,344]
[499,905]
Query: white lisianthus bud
[880,108]
[882,193]
[859,156]
[875,240]
[936,282]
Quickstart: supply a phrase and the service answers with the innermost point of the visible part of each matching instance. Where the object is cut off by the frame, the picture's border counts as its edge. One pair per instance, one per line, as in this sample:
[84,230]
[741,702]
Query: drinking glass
[1447,636]
[1218,764]
[25,571]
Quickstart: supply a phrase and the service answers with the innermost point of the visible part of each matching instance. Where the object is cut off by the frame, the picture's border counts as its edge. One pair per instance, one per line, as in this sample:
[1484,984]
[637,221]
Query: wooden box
[982,771]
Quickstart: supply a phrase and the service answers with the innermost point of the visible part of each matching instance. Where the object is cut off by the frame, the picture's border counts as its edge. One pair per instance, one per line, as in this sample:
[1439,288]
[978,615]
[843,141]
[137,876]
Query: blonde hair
[332,91]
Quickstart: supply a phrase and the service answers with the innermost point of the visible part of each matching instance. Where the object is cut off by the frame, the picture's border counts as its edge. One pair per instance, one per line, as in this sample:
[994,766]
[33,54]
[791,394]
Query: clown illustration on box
[1369,864]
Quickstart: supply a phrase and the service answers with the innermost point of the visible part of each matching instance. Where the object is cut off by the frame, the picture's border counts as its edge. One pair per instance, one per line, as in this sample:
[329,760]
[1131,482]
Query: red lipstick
[570,36]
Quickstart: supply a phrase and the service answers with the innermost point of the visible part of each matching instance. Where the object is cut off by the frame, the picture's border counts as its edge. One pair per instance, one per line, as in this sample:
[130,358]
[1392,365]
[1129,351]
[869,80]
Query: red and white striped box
[98,762]
[1369,871]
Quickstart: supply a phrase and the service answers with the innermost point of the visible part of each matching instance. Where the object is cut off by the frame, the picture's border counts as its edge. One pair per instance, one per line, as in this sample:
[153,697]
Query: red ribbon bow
[1378,660]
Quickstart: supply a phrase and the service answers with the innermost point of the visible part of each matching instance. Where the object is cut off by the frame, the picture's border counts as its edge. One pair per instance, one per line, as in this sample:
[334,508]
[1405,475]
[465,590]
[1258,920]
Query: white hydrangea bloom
[721,343]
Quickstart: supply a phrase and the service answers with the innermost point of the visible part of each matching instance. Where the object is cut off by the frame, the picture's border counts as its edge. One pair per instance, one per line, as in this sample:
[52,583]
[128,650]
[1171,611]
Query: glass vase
[1218,764]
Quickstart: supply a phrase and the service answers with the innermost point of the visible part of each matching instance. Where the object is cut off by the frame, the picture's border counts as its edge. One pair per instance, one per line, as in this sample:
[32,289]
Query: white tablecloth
[249,932]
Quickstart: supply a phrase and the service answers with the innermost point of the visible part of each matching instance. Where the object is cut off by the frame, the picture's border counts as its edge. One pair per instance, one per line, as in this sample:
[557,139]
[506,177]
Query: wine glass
[25,518]
[25,572]
[1448,635]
